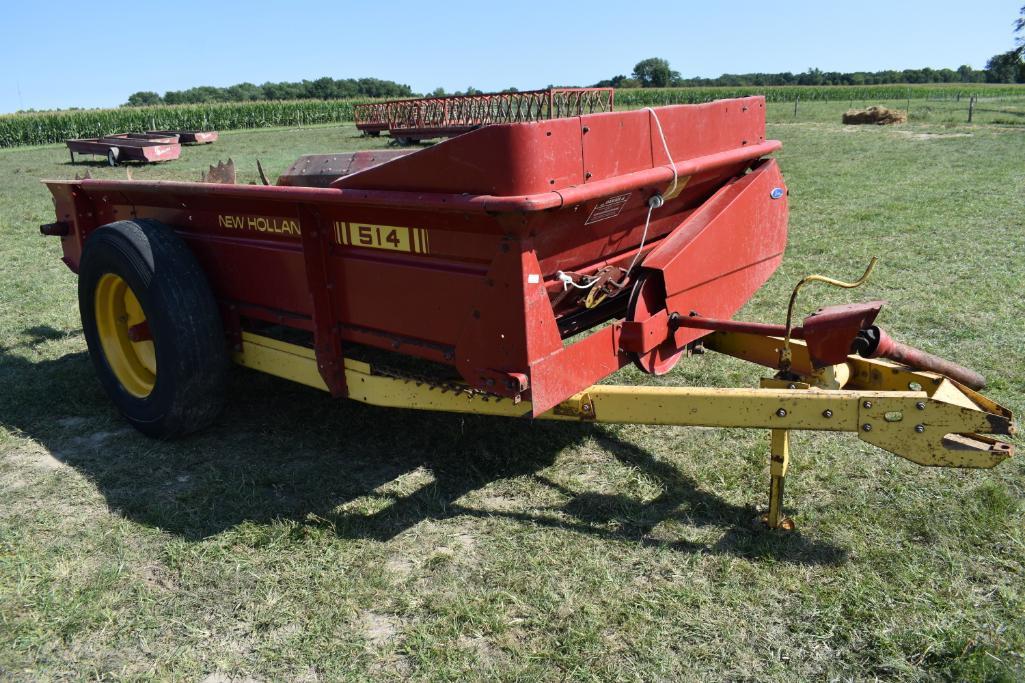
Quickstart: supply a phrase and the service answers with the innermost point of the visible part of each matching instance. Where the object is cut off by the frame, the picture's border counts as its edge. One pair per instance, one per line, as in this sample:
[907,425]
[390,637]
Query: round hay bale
[880,116]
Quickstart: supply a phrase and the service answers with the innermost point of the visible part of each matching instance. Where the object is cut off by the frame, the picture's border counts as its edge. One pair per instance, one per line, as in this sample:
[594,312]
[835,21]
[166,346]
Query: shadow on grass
[282,451]
[101,162]
[37,335]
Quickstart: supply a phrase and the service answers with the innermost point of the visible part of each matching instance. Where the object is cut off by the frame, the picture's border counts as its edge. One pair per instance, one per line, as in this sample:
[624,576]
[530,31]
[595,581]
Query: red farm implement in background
[142,147]
[433,117]
[149,147]
[519,265]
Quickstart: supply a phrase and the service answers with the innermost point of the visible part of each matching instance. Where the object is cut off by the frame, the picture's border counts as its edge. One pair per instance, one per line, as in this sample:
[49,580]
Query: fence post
[971,108]
[797,99]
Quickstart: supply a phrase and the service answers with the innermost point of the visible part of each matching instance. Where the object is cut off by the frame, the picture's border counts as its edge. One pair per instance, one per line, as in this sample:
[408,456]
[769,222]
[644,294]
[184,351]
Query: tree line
[320,89]
[656,73]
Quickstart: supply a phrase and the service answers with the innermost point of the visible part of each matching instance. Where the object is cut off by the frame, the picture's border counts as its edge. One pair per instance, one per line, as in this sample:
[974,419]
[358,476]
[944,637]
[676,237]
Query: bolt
[587,176]
[827,413]
[920,405]
[867,404]
[586,408]
[866,427]
[586,129]
[791,386]
[919,428]
[781,413]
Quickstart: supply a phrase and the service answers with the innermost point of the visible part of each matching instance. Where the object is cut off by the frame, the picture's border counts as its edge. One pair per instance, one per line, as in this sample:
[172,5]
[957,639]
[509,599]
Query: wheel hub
[120,320]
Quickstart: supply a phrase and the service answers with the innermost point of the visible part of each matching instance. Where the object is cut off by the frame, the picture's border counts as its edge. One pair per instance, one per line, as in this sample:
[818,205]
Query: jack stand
[779,461]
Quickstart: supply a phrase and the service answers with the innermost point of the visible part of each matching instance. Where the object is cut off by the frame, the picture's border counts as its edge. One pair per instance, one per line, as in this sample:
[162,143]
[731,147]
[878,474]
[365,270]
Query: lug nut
[866,404]
[781,413]
[920,405]
[827,413]
[866,427]
[919,428]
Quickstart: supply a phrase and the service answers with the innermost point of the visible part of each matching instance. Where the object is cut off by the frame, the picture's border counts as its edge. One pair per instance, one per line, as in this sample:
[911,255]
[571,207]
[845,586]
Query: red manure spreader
[518,265]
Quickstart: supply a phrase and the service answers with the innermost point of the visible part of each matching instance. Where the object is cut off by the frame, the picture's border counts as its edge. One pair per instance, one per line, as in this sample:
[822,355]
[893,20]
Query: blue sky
[92,54]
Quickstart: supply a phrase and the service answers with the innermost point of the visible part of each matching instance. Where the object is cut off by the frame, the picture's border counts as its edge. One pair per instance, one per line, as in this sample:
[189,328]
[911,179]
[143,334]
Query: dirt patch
[12,483]
[225,678]
[157,577]
[497,503]
[880,116]
[401,567]
[463,542]
[379,629]
[488,654]
[932,136]
[36,456]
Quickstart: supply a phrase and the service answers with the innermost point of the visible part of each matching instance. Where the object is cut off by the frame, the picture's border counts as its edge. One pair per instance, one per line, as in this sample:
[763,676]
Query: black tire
[112,155]
[189,344]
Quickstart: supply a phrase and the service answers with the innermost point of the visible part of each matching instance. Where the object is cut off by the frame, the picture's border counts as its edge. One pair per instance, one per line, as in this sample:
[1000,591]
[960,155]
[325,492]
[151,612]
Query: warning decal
[609,208]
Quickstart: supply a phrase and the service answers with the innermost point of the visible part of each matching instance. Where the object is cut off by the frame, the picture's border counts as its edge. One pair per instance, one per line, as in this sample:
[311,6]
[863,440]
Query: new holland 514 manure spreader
[519,264]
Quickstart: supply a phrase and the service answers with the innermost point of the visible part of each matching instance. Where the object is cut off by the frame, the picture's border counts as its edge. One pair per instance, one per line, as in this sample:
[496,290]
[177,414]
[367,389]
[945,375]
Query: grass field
[307,539]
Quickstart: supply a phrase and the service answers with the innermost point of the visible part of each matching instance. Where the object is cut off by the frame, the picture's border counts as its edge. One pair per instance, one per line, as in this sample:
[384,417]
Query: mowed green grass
[308,539]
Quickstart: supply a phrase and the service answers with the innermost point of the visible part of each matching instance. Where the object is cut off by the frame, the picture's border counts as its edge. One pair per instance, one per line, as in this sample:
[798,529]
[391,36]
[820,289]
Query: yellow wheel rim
[117,311]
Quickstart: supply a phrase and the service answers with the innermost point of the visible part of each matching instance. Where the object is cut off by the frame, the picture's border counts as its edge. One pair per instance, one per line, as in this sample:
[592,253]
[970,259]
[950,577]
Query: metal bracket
[317,244]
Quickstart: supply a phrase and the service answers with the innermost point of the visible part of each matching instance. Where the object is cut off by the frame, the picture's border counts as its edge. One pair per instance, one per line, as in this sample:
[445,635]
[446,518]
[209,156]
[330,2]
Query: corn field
[53,127]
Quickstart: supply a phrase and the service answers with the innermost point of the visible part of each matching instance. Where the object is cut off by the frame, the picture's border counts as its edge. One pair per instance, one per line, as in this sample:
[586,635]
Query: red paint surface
[505,208]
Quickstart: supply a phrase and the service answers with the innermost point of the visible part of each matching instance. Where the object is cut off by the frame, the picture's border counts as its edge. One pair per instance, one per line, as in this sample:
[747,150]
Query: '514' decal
[390,237]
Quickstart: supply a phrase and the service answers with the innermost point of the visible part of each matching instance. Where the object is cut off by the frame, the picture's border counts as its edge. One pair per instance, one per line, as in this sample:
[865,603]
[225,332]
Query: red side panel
[727,249]
[715,261]
[531,158]
[511,323]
